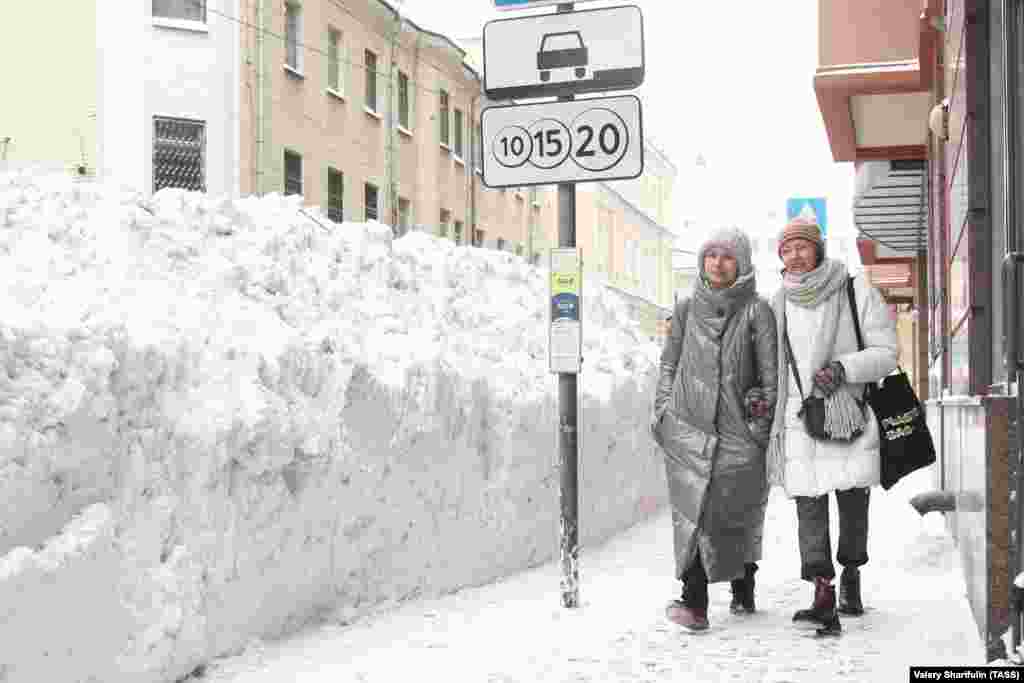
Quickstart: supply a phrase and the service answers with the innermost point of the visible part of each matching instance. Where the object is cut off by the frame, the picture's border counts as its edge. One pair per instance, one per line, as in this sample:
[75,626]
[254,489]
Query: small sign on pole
[565,340]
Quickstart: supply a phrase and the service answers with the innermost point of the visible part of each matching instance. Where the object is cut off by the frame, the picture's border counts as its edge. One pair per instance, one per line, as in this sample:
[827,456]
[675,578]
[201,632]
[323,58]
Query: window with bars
[372,210]
[457,133]
[189,10]
[293,36]
[334,60]
[179,154]
[292,172]
[370,60]
[443,221]
[442,116]
[335,195]
[403,101]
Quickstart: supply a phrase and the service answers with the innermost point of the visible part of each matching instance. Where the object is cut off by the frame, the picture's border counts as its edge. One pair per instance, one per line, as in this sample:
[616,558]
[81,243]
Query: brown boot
[821,615]
[690,618]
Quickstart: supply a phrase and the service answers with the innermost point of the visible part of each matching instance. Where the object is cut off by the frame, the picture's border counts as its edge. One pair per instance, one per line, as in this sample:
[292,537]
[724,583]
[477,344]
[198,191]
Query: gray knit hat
[736,242]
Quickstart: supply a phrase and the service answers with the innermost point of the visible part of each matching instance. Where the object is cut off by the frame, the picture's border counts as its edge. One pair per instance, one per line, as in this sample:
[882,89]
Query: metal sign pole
[568,453]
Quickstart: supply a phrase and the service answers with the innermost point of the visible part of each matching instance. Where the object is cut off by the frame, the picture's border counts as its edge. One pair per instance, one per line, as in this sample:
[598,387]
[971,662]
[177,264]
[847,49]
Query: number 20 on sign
[563,142]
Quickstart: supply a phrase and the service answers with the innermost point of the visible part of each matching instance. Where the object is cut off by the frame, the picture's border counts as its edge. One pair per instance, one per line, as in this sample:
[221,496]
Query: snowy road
[515,630]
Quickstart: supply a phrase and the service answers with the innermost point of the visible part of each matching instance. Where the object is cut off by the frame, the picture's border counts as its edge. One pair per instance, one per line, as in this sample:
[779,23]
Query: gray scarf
[818,287]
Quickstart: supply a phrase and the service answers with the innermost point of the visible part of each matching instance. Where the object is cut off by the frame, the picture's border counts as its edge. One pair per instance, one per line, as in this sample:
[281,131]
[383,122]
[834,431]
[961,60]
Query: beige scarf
[823,286]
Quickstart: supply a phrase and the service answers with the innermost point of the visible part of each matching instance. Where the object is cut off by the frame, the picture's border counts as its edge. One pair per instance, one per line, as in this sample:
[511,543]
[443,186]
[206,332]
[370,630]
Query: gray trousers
[812,530]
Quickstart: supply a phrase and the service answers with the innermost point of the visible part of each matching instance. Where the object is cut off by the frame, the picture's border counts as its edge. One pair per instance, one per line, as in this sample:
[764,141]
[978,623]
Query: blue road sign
[811,207]
[527,4]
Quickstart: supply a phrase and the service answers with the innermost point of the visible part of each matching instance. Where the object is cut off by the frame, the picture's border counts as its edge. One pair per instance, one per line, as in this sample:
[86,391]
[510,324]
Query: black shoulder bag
[812,408]
[905,442]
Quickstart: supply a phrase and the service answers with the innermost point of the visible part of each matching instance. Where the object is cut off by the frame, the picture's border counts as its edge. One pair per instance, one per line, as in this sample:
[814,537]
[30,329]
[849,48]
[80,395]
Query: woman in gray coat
[712,417]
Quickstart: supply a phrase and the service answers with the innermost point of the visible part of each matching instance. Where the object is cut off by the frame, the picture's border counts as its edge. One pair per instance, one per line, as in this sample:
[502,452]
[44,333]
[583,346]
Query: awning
[891,204]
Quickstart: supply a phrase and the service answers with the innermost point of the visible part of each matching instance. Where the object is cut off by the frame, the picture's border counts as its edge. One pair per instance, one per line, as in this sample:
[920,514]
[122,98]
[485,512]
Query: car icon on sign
[562,50]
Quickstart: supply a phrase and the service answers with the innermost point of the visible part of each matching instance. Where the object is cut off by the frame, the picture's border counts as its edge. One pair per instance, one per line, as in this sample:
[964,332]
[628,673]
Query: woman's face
[799,256]
[719,267]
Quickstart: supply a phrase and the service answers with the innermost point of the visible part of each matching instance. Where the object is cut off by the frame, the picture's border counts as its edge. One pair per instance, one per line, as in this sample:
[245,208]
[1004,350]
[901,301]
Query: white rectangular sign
[564,54]
[599,138]
[528,4]
[565,342]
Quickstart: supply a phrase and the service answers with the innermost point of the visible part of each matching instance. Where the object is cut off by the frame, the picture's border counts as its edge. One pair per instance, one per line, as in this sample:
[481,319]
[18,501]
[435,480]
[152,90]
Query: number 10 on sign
[577,141]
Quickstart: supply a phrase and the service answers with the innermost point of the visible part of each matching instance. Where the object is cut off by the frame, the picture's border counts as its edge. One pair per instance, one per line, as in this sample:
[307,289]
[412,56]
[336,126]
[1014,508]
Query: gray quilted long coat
[715,460]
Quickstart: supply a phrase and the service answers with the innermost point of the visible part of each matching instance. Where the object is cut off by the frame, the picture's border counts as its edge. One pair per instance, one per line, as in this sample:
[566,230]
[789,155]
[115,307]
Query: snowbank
[220,417]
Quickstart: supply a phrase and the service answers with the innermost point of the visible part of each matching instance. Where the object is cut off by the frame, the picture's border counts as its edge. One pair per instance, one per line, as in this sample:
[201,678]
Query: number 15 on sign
[557,142]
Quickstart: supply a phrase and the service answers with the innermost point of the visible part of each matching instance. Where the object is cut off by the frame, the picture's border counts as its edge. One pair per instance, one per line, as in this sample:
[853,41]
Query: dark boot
[743,592]
[849,592]
[821,615]
[690,618]
[691,612]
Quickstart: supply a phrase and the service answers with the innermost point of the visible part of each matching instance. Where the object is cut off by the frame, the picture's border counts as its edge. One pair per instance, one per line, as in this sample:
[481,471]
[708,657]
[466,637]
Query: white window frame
[336,42]
[371,82]
[293,9]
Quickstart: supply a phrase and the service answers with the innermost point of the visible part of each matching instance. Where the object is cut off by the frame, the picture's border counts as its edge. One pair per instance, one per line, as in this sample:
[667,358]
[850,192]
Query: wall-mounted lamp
[938,120]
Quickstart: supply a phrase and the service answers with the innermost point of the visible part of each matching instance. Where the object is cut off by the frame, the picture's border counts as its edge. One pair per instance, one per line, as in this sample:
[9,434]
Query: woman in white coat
[812,308]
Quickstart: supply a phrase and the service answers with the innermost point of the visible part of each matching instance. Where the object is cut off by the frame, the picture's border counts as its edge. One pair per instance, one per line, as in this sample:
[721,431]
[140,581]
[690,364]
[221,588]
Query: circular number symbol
[551,143]
[600,139]
[512,146]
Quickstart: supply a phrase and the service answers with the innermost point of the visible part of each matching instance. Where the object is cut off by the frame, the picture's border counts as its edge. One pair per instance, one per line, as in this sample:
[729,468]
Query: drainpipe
[391,153]
[258,152]
[471,162]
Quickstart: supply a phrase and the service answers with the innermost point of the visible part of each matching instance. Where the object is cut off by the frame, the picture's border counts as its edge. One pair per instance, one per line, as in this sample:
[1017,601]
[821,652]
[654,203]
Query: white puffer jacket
[813,468]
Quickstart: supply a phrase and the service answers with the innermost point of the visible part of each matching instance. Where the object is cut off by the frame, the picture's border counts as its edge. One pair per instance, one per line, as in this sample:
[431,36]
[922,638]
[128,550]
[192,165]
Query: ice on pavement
[516,631]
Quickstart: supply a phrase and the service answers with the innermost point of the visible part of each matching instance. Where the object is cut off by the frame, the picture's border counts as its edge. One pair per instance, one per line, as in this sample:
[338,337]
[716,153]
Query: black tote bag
[905,441]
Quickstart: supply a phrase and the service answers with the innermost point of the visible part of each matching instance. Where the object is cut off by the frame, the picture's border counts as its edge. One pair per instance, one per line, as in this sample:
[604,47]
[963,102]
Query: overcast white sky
[731,81]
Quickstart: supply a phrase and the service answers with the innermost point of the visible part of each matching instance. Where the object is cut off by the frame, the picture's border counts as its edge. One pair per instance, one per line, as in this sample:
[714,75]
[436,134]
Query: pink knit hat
[804,229]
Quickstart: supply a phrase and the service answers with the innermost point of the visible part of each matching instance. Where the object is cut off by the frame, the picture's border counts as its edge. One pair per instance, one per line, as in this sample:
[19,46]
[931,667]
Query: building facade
[925,98]
[144,96]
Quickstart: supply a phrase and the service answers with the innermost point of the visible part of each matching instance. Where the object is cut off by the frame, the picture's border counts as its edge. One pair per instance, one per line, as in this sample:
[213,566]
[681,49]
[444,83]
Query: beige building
[352,105]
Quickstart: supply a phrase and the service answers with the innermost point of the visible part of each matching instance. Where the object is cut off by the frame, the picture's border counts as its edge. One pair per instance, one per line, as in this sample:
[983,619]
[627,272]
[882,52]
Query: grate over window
[179,154]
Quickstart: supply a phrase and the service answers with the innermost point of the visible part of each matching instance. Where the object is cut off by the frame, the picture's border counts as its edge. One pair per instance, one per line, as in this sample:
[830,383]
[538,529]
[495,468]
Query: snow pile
[219,416]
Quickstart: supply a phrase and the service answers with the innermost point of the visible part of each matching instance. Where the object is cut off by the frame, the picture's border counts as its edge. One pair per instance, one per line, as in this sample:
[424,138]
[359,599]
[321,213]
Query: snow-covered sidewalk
[515,630]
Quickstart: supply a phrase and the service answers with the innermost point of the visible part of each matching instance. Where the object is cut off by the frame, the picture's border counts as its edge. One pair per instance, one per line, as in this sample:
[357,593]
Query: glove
[830,378]
[756,403]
